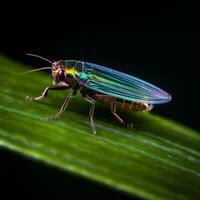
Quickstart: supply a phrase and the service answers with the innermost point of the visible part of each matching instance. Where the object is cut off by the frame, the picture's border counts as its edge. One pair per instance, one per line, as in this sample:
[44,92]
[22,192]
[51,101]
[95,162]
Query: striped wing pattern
[122,86]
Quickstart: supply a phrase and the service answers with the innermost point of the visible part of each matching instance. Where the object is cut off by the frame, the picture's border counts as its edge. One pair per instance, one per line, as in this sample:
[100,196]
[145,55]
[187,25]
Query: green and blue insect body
[104,84]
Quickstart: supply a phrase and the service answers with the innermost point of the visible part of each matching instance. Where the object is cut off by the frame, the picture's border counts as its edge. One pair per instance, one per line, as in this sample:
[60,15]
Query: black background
[157,41]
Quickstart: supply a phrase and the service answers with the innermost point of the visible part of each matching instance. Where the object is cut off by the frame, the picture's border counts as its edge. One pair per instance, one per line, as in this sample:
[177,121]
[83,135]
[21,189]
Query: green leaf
[158,159]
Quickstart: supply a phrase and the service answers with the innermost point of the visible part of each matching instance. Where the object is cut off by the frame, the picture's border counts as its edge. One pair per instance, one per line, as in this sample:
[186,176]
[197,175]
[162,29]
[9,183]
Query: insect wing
[121,85]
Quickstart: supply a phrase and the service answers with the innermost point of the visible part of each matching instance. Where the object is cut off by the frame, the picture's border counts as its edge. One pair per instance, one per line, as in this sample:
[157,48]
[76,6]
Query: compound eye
[61,75]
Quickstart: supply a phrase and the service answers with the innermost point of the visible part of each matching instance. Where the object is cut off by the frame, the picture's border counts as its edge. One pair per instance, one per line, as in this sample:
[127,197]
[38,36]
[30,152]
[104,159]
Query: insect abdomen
[133,106]
[124,104]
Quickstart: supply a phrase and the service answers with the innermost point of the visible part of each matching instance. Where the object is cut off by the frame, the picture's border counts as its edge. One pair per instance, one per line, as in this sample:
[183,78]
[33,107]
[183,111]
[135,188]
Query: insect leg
[63,107]
[91,113]
[59,86]
[113,111]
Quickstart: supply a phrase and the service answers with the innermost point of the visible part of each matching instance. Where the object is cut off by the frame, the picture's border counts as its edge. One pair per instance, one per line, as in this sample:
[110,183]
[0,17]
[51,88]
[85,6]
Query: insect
[96,82]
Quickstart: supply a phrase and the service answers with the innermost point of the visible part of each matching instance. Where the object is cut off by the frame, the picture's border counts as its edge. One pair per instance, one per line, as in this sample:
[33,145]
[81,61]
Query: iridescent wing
[121,85]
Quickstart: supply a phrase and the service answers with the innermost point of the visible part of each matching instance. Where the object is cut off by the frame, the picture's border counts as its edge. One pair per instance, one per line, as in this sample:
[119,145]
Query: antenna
[35,70]
[37,56]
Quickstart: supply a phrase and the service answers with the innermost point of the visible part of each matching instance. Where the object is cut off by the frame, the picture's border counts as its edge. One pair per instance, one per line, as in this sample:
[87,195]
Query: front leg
[58,86]
[64,106]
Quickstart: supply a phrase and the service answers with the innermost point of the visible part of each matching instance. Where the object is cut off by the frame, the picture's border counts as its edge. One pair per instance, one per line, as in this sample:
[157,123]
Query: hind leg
[113,111]
[112,101]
